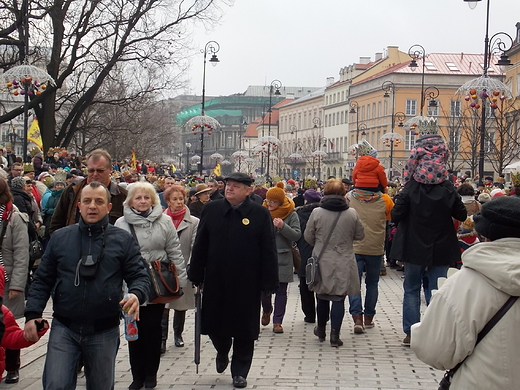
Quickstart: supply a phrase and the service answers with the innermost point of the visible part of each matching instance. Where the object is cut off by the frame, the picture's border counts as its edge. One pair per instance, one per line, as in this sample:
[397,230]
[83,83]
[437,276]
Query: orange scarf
[284,210]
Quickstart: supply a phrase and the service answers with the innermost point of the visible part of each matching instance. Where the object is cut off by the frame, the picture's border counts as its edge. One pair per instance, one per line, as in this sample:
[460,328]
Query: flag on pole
[331,144]
[133,162]
[34,134]
[173,168]
[217,171]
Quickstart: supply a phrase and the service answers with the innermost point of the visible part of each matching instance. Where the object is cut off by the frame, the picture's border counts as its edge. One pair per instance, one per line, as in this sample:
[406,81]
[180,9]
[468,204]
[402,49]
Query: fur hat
[18,182]
[276,193]
[312,196]
[484,197]
[499,218]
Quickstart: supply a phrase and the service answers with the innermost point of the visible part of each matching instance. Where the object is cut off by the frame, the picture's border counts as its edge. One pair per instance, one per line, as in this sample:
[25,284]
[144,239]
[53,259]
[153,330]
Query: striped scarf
[2,221]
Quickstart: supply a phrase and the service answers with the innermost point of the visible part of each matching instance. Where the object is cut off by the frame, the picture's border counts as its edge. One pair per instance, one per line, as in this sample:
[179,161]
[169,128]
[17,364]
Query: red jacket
[368,172]
[13,334]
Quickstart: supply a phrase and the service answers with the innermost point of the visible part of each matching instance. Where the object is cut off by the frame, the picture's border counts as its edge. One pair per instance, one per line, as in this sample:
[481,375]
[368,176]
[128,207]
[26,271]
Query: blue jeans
[64,349]
[336,311]
[413,280]
[372,266]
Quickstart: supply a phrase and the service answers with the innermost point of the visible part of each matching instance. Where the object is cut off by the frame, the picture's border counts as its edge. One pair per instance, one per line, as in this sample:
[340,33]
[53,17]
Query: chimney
[330,81]
[378,56]
[364,60]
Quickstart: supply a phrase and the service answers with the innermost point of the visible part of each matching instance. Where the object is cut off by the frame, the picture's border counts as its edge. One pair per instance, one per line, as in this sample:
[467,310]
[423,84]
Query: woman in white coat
[186,225]
[157,240]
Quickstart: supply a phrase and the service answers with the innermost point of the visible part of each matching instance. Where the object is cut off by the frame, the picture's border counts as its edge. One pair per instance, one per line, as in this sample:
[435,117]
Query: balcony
[288,161]
[333,157]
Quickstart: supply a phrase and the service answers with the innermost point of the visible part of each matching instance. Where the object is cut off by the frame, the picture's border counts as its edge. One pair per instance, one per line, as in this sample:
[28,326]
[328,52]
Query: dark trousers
[308,300]
[242,353]
[337,312]
[145,352]
[12,359]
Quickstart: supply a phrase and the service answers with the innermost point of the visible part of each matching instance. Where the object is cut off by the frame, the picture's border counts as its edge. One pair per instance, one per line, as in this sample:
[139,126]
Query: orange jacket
[368,172]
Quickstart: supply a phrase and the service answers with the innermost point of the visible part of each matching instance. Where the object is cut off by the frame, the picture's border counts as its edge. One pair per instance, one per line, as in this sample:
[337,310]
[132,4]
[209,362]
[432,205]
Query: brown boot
[369,322]
[358,324]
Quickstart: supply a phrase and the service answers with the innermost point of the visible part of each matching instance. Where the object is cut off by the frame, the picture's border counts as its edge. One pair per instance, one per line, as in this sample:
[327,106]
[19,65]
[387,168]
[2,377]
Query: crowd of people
[100,222]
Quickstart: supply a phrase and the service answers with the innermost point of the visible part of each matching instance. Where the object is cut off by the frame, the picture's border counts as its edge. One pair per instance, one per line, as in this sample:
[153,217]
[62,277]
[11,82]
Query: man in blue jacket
[84,266]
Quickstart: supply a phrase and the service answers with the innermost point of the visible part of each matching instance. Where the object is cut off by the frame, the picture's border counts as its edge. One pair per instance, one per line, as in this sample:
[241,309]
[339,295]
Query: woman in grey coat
[157,240]
[15,258]
[287,226]
[186,225]
[338,267]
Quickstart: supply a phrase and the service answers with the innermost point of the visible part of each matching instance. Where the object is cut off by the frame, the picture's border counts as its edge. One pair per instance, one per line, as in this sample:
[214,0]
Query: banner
[34,134]
[133,161]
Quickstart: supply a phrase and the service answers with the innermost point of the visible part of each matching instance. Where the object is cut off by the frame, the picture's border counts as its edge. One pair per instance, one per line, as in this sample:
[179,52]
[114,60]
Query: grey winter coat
[15,254]
[338,266]
[284,237]
[157,237]
[186,231]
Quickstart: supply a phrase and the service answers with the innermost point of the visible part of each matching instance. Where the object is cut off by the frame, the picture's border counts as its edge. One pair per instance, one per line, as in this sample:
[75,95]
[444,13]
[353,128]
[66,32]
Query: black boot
[335,341]
[164,329]
[319,331]
[178,327]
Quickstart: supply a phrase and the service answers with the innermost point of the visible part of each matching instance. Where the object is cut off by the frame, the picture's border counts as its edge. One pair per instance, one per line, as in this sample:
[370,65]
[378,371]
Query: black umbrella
[198,319]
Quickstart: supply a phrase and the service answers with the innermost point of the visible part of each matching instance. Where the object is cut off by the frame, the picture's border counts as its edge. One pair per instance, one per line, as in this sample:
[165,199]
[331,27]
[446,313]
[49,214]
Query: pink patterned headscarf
[427,161]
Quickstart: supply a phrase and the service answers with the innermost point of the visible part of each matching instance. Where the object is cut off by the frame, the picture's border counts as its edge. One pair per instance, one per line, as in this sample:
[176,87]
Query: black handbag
[35,250]
[445,382]
[163,279]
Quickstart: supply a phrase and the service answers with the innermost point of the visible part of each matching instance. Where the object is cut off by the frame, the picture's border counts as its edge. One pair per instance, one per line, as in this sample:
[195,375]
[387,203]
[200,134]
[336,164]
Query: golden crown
[515,178]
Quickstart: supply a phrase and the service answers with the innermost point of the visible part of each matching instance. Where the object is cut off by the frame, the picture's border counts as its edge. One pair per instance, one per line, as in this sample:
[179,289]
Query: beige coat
[15,254]
[338,266]
[373,216]
[186,231]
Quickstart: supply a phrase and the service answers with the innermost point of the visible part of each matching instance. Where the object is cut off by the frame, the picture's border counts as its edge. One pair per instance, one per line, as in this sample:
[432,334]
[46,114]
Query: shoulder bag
[445,383]
[296,256]
[312,269]
[164,282]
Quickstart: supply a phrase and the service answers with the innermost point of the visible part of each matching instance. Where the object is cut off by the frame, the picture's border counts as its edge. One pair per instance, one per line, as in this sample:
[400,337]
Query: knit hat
[365,149]
[484,197]
[276,193]
[496,193]
[499,218]
[312,196]
[291,182]
[18,182]
[43,175]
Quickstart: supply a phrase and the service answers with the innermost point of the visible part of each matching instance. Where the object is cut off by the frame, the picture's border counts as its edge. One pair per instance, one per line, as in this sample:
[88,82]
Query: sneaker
[277,328]
[266,318]
[406,341]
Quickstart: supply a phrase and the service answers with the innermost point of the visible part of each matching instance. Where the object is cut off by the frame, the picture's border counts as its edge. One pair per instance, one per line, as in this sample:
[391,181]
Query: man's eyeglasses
[92,170]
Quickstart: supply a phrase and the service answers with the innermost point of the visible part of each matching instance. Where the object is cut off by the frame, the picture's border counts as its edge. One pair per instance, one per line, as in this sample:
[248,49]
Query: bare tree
[89,40]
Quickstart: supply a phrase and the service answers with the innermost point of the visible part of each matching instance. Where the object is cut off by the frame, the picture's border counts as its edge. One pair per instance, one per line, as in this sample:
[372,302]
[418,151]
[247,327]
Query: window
[385,108]
[429,65]
[454,143]
[373,110]
[362,113]
[368,111]
[455,106]
[342,95]
[342,117]
[489,142]
[410,139]
[411,107]
[452,66]
[379,109]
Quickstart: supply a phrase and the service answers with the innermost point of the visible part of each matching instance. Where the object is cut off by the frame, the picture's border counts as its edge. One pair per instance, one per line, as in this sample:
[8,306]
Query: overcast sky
[302,42]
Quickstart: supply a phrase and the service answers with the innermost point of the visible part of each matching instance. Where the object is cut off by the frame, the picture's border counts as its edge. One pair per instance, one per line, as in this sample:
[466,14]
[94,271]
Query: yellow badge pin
[245,221]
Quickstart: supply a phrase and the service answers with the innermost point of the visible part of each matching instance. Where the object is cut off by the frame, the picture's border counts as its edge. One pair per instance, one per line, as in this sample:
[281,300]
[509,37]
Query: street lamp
[318,153]
[354,109]
[483,86]
[202,123]
[392,138]
[274,89]
[295,156]
[188,146]
[423,123]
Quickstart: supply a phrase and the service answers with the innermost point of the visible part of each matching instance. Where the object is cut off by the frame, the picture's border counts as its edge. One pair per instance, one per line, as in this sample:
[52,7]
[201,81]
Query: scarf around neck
[176,216]
[284,210]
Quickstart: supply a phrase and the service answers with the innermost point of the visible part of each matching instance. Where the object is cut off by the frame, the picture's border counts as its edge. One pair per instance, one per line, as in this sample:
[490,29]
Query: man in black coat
[235,256]
[426,240]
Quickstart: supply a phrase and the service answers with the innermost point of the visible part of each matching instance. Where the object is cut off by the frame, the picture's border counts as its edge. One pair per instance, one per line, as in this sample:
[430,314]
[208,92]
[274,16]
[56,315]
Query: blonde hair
[143,186]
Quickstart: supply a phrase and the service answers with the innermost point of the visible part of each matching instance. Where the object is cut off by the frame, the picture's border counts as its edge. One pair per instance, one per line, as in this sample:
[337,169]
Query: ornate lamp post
[295,156]
[274,89]
[202,123]
[485,88]
[188,146]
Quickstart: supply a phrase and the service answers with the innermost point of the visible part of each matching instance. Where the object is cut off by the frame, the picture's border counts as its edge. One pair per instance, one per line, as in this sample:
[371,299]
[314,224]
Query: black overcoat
[235,255]
[425,231]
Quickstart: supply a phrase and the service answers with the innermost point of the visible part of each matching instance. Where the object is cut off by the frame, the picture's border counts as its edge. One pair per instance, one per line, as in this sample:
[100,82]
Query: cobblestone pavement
[292,360]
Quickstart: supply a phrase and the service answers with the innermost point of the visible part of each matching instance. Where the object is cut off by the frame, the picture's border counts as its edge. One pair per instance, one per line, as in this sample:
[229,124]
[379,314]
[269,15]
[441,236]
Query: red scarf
[176,216]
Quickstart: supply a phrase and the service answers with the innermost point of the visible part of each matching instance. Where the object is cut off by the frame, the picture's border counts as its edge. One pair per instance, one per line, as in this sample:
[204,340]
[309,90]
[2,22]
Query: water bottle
[131,332]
